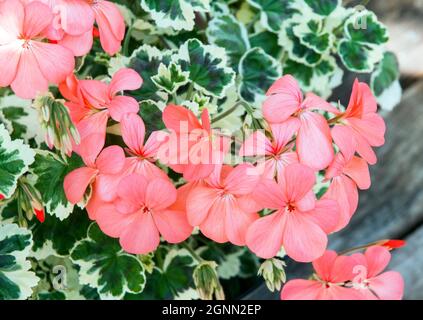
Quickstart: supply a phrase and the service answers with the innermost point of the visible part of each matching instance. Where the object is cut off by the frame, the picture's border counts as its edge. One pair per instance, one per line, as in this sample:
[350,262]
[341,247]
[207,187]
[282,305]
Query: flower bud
[207,282]
[273,272]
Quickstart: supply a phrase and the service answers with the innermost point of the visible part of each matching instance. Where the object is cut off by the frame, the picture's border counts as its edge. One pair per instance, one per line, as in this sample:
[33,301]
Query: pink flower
[285,102]
[27,63]
[346,174]
[277,152]
[360,128]
[222,207]
[141,213]
[300,223]
[92,102]
[369,279]
[192,148]
[332,273]
[110,161]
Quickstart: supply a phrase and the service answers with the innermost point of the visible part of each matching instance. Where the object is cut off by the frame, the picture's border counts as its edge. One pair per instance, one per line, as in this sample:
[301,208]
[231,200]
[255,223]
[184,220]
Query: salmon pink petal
[121,105]
[388,286]
[133,132]
[336,292]
[303,240]
[242,180]
[362,101]
[38,17]
[372,127]
[112,222]
[343,268]
[307,203]
[358,170]
[314,142]
[70,89]
[95,202]
[264,236]
[141,235]
[205,120]
[153,144]
[107,186]
[29,80]
[284,132]
[237,221]
[111,160]
[197,172]
[132,189]
[269,195]
[11,21]
[343,136]
[77,182]
[256,144]
[96,92]
[280,107]
[199,202]
[324,265]
[248,204]
[297,182]
[77,17]
[326,215]
[213,226]
[125,79]
[364,149]
[343,190]
[378,258]
[160,194]
[80,45]
[90,148]
[182,196]
[179,119]
[173,225]
[148,169]
[9,59]
[301,290]
[94,125]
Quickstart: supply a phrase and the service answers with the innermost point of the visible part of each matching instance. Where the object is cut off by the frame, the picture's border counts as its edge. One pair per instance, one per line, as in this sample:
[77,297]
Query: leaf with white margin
[177,14]
[257,71]
[323,7]
[359,57]
[106,267]
[207,67]
[227,32]
[274,12]
[385,82]
[23,119]
[16,281]
[313,36]
[170,78]
[15,159]
[50,171]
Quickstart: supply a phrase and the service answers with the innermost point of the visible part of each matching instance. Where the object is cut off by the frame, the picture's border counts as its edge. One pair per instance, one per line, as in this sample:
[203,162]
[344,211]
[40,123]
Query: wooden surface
[393,207]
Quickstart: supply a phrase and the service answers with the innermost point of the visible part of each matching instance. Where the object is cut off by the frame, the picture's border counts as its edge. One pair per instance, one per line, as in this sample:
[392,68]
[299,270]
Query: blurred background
[393,207]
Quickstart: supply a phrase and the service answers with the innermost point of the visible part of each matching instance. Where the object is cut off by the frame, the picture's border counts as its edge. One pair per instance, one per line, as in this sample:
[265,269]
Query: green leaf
[170,78]
[50,171]
[323,7]
[60,235]
[274,12]
[312,36]
[146,61]
[227,32]
[105,267]
[359,57]
[15,279]
[385,82]
[257,71]
[207,67]
[176,14]
[15,158]
[364,27]
[268,41]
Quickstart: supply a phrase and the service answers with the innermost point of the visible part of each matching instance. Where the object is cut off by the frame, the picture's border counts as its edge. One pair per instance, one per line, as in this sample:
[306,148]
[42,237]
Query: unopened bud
[273,272]
[207,282]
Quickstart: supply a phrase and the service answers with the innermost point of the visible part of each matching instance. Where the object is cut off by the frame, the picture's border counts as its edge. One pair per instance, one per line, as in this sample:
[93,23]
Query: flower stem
[192,252]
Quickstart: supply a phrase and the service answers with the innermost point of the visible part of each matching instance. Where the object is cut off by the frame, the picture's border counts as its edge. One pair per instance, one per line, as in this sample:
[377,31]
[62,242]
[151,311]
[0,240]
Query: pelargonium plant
[176,149]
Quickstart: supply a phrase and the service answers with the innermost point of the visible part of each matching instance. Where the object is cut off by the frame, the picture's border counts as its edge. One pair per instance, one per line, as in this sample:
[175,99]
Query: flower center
[290,207]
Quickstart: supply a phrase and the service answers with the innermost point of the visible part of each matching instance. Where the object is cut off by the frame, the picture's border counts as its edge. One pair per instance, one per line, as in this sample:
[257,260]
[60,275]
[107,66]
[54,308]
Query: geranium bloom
[346,174]
[27,63]
[222,207]
[92,102]
[332,272]
[277,151]
[110,161]
[73,26]
[314,142]
[141,213]
[369,279]
[192,148]
[360,128]
[300,224]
